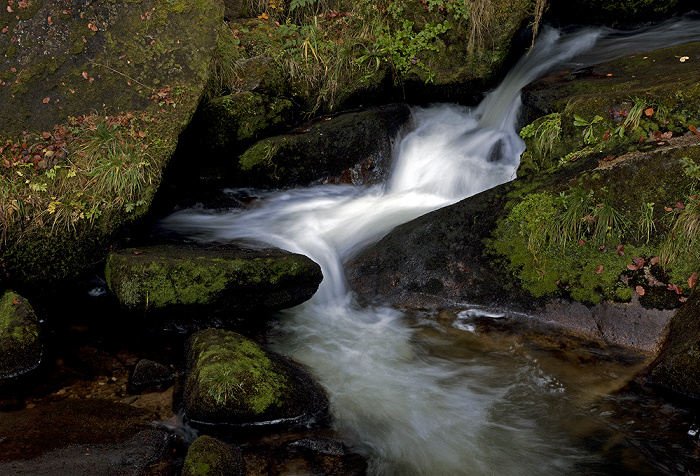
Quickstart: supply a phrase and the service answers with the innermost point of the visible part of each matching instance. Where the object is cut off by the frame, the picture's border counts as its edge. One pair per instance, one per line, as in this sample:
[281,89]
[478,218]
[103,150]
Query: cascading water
[409,408]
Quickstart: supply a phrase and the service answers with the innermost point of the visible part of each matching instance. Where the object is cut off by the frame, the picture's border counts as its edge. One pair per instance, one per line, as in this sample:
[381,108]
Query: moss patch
[20,348]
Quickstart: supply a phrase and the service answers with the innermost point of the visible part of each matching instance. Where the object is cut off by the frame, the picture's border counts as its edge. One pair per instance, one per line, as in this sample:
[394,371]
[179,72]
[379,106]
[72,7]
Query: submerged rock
[232,380]
[20,347]
[182,278]
[210,457]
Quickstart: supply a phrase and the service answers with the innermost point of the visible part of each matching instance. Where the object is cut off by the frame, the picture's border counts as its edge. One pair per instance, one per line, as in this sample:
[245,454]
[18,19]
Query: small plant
[544,133]
[570,223]
[224,386]
[646,226]
[589,128]
[608,222]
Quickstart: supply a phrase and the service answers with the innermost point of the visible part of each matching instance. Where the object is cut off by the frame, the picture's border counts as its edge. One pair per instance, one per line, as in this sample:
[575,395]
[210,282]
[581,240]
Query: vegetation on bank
[327,48]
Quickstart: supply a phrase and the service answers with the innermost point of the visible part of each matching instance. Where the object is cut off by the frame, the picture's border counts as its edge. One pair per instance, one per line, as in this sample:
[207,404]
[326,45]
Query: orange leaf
[693,129]
[608,158]
[599,269]
[649,111]
[46,100]
[692,280]
[631,267]
[264,16]
[15,301]
[640,290]
[84,74]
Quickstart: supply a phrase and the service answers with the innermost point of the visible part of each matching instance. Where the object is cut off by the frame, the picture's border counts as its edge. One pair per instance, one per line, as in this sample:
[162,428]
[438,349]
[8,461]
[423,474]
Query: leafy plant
[589,128]
[544,133]
[609,222]
[646,226]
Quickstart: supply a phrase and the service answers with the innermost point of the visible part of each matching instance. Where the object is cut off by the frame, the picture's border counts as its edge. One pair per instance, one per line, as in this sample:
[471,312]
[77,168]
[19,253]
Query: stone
[230,279]
[20,347]
[208,456]
[233,380]
[150,376]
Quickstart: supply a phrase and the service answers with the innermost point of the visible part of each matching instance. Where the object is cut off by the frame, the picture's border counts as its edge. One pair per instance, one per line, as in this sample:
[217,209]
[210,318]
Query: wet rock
[150,376]
[20,347]
[182,278]
[329,147]
[232,380]
[678,365]
[150,59]
[210,457]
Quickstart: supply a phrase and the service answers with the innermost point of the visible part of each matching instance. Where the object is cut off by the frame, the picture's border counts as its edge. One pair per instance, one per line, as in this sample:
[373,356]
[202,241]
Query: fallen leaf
[581,242]
[668,209]
[15,301]
[93,27]
[84,74]
[680,206]
[640,290]
[608,158]
[667,135]
[675,288]
[142,133]
[46,100]
[654,260]
[649,112]
[641,139]
[46,135]
[683,59]
[631,267]
[692,280]
[694,130]
[619,249]
[264,16]
[607,134]
[599,269]
[9,9]
[138,252]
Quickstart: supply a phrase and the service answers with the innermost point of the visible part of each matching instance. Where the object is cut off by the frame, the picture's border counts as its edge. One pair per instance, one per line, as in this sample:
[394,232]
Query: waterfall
[408,408]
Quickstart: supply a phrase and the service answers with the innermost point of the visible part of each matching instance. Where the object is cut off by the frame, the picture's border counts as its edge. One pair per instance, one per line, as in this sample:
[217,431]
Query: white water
[409,408]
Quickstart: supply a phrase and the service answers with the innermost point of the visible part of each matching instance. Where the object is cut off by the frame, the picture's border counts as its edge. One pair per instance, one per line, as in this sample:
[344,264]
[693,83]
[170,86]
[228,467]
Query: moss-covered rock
[20,347]
[230,279]
[678,366]
[147,59]
[326,148]
[231,379]
[210,457]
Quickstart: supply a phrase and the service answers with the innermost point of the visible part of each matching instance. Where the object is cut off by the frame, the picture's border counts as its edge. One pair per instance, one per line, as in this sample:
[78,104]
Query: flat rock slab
[181,278]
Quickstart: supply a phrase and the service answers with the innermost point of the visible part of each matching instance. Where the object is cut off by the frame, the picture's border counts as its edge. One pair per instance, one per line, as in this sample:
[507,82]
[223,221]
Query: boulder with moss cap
[182,278]
[20,348]
[233,380]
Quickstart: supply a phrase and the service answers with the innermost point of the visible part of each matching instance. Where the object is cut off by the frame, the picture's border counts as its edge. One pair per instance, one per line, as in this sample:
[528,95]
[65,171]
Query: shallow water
[459,394]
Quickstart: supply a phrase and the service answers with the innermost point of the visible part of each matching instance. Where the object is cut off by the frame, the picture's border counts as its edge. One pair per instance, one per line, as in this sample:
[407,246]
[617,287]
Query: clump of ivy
[90,166]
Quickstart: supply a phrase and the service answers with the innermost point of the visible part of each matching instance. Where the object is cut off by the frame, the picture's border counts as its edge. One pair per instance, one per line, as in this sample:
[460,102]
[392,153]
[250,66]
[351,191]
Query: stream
[457,393]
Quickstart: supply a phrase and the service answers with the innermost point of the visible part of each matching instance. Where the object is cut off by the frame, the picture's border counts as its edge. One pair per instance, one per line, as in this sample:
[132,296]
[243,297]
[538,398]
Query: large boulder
[620,266]
[232,380]
[20,347]
[187,278]
[131,75]
[678,365]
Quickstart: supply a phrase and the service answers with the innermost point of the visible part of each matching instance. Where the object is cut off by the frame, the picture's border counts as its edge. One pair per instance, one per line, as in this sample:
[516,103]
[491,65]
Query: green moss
[234,372]
[210,457]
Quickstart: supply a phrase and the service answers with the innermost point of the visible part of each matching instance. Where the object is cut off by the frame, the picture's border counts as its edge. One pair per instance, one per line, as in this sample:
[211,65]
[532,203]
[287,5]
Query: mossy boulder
[678,366]
[208,456]
[183,278]
[353,147]
[148,60]
[20,347]
[233,380]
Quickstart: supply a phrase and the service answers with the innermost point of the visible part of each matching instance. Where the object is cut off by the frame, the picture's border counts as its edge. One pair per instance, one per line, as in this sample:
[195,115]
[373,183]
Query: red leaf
[15,301]
[599,269]
[657,135]
[641,139]
[606,136]
[46,135]
[680,206]
[692,280]
[640,290]
[675,288]
[46,100]
[638,263]
[619,250]
[682,299]
[608,158]
[654,260]
[668,209]
[581,242]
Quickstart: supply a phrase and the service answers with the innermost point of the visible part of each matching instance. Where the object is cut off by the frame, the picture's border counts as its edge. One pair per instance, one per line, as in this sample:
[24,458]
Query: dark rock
[20,347]
[233,9]
[150,376]
[357,146]
[232,380]
[678,365]
[619,13]
[210,457]
[182,278]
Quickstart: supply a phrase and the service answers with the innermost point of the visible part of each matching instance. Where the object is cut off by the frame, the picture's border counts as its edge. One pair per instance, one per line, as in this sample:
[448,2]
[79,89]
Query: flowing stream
[424,396]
